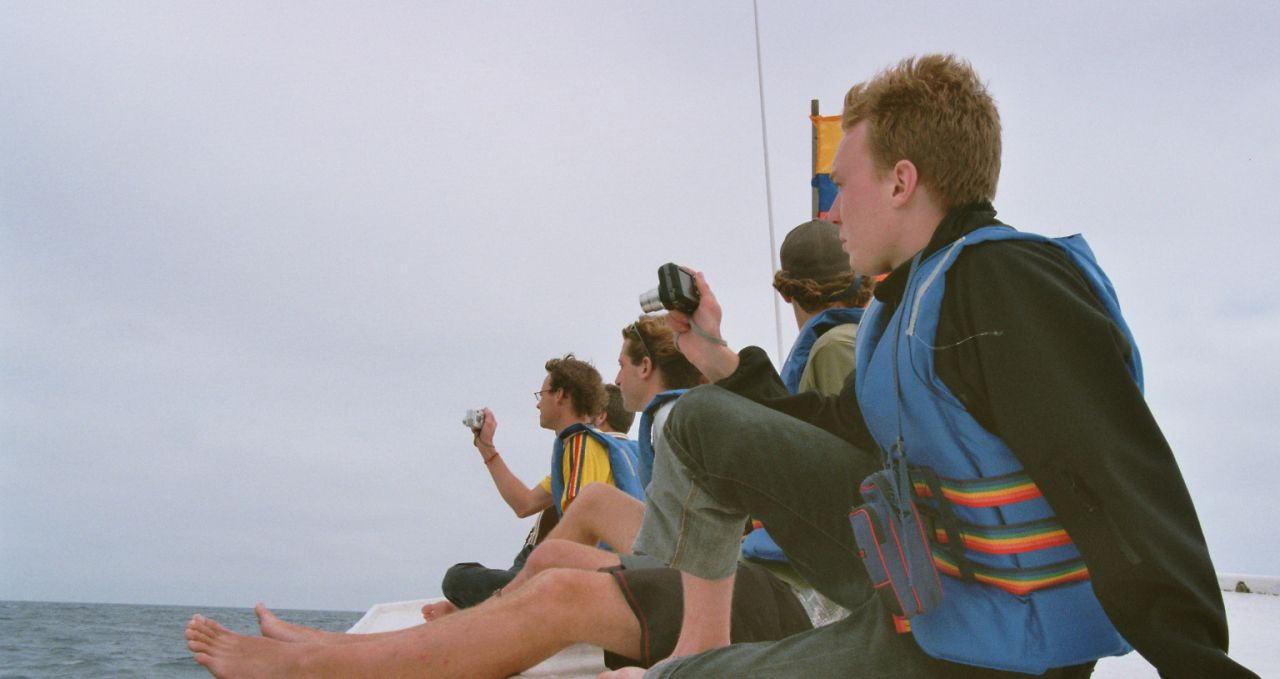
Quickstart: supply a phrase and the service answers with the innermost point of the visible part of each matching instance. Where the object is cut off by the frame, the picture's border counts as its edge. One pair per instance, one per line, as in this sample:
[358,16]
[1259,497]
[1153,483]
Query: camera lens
[651,301]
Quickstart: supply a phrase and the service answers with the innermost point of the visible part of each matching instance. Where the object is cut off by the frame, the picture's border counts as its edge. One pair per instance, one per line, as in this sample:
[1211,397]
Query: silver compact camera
[474,419]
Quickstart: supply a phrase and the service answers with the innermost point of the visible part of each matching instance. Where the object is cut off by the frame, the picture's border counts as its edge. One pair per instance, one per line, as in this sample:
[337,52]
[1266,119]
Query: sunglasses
[635,330]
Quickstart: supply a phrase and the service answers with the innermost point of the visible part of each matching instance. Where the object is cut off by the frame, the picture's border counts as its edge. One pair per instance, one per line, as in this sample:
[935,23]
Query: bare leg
[554,553]
[273,627]
[601,512]
[706,620]
[498,638]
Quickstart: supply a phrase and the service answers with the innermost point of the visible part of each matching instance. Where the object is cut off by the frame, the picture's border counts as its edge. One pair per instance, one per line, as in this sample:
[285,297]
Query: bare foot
[274,628]
[438,609]
[228,655]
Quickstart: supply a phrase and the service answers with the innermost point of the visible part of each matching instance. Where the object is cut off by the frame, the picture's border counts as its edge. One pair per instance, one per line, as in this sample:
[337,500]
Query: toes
[194,631]
[197,635]
[204,629]
[198,640]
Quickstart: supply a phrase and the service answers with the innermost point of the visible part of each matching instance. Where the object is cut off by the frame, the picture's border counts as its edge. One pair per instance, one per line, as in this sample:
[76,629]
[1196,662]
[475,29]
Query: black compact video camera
[675,292]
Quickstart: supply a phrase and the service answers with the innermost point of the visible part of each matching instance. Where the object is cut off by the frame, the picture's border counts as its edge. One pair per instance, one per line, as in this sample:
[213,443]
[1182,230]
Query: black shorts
[764,609]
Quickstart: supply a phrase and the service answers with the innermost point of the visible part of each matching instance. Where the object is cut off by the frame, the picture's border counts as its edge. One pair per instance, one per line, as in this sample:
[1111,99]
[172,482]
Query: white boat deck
[1254,618]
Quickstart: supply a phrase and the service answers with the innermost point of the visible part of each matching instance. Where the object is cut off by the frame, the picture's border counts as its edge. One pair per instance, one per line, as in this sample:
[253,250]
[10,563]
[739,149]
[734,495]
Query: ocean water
[52,640]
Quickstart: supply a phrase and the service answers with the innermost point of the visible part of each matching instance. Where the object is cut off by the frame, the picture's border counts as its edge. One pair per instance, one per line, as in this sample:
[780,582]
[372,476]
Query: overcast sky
[258,261]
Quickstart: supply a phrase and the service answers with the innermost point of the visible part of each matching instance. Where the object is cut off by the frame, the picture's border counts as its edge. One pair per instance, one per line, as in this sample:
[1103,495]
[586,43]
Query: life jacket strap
[953,539]
[1010,539]
[1019,581]
[991,491]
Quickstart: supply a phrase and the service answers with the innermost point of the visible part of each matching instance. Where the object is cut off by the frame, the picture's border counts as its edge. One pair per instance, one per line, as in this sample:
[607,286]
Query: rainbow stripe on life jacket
[988,492]
[952,537]
[1019,581]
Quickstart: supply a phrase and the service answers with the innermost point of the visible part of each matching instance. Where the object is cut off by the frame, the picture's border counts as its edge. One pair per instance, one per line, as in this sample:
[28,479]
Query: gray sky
[258,261]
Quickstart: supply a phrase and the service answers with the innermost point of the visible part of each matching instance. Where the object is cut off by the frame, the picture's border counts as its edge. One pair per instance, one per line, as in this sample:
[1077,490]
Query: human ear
[905,180]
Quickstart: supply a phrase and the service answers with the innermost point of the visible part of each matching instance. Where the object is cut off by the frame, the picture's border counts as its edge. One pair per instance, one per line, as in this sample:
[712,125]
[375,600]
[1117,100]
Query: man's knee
[565,586]
[581,521]
[593,496]
[550,554]
[460,572]
[468,584]
[458,584]
[700,402]
[704,421]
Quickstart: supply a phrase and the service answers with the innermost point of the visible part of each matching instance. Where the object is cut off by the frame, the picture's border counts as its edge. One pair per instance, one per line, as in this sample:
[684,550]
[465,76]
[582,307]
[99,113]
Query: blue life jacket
[759,544]
[645,461]
[814,328]
[632,445]
[622,463]
[1016,591]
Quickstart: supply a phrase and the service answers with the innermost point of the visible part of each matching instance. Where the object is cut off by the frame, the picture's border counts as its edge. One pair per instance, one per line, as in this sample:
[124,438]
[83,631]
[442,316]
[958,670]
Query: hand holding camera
[694,316]
[483,425]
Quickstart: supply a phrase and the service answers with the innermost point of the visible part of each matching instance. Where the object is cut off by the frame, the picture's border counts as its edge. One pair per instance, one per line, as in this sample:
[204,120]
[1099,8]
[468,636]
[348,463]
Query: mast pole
[813,140]
[768,183]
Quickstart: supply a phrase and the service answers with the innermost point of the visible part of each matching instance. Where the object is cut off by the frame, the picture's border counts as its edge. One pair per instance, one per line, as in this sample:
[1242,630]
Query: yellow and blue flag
[829,134]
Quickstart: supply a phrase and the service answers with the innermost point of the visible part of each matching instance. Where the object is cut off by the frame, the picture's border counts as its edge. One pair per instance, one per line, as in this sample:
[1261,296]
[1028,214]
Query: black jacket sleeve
[757,380]
[1027,347]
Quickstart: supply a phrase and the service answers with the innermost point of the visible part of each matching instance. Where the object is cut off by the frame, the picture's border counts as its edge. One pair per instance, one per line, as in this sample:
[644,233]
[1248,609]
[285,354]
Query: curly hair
[580,381]
[650,335]
[813,296]
[936,113]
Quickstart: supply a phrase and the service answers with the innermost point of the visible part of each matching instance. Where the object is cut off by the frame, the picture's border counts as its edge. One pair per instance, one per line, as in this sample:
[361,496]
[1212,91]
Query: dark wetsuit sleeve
[757,380]
[1027,347]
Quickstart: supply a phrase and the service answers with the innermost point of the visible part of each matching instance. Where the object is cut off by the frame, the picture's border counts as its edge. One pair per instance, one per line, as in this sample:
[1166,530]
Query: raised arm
[524,500]
[703,345]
